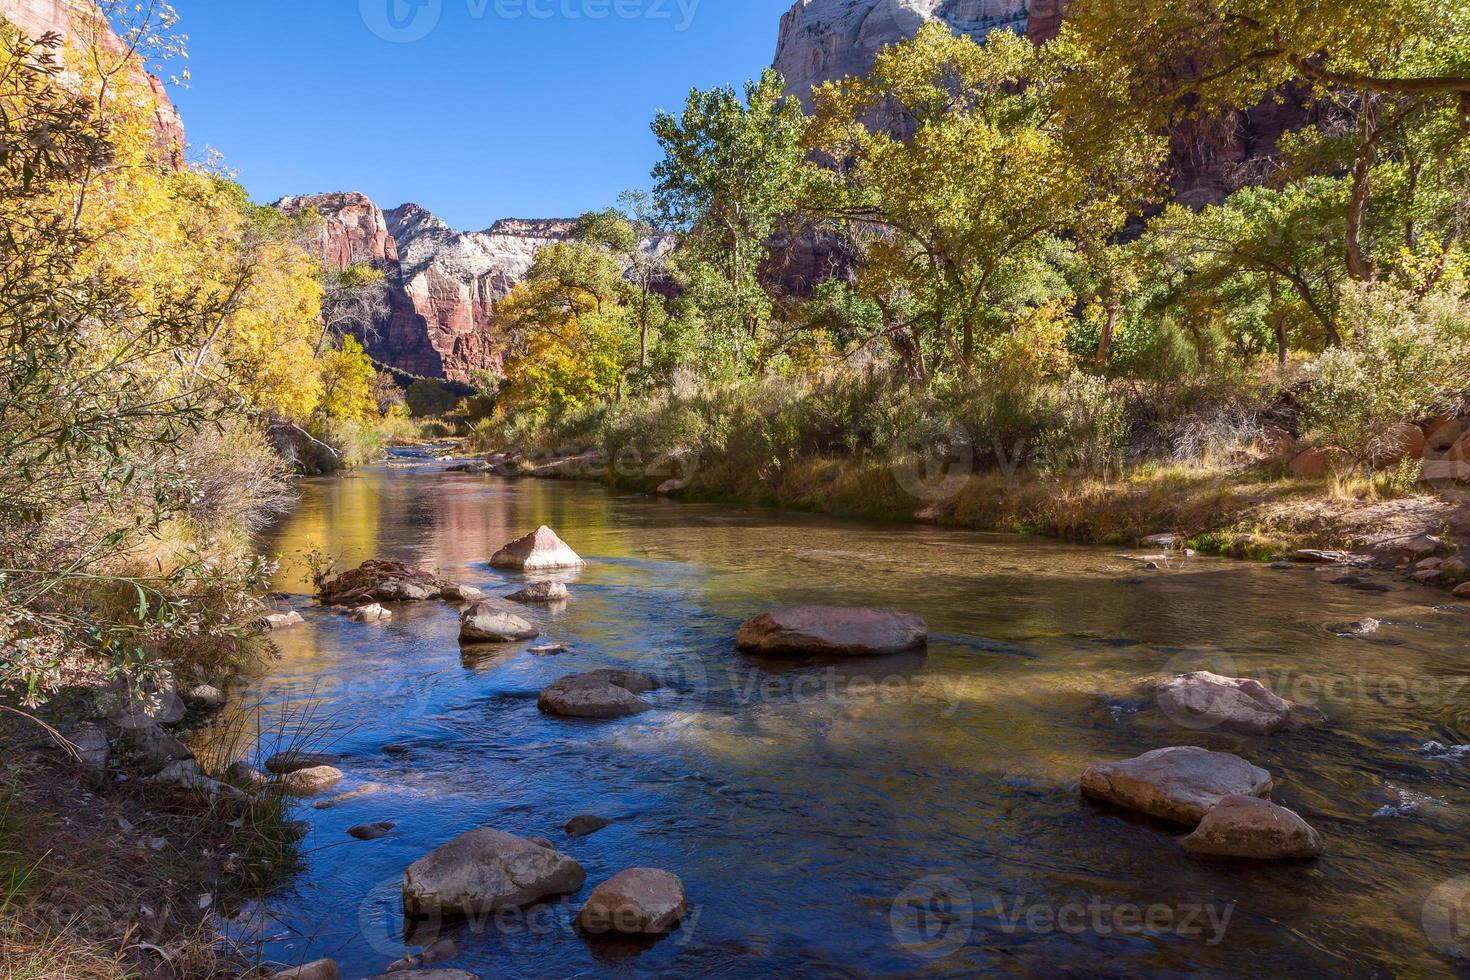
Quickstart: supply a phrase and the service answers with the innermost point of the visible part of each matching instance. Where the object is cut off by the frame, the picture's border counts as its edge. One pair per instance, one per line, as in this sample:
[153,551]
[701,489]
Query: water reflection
[799,802]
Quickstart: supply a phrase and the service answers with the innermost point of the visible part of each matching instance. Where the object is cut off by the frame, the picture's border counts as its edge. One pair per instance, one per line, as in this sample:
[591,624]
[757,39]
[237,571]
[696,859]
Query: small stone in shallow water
[370,614]
[1255,829]
[1363,627]
[1181,783]
[636,902]
[542,592]
[484,623]
[549,650]
[364,790]
[586,825]
[310,782]
[395,750]
[318,970]
[600,694]
[288,762]
[372,831]
[1372,587]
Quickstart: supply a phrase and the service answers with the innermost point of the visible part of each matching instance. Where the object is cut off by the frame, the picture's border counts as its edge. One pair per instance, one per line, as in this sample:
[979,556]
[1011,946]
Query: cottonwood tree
[962,181]
[732,168]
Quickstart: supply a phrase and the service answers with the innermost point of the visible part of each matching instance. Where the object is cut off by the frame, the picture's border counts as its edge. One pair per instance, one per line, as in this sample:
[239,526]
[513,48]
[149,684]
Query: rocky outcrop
[443,285]
[81,25]
[829,39]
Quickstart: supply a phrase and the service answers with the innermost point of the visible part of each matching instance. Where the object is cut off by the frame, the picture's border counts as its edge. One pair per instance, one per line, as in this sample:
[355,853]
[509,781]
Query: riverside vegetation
[1017,300]
[168,351]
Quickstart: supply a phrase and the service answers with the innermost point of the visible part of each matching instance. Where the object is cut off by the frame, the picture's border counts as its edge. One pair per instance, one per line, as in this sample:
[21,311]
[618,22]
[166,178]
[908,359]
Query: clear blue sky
[504,108]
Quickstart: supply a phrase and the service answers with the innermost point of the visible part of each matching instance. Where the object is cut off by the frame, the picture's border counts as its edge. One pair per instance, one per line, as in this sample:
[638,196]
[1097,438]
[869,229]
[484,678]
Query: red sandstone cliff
[87,34]
[443,285]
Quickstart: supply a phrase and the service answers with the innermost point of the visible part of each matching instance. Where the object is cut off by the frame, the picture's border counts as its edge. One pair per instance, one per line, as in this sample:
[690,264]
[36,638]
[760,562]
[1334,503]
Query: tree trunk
[1105,342]
[1360,267]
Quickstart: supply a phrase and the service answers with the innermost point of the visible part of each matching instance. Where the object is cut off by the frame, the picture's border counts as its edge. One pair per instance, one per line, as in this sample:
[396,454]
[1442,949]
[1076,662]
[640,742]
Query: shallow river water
[913,816]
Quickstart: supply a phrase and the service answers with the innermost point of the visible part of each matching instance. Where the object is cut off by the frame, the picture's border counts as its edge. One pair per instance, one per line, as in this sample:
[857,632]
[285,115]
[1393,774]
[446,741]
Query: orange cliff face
[81,25]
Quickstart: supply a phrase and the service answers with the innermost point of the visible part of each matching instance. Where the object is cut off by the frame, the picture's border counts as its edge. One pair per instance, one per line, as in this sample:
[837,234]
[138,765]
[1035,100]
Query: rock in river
[636,902]
[813,630]
[484,871]
[599,694]
[586,825]
[1181,783]
[1203,701]
[317,970]
[372,831]
[310,782]
[371,613]
[540,550]
[485,623]
[381,581]
[542,592]
[287,762]
[1248,827]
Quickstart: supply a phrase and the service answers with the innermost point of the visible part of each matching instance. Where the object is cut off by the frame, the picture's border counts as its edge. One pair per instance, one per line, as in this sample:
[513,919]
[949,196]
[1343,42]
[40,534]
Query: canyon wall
[443,285]
[87,35]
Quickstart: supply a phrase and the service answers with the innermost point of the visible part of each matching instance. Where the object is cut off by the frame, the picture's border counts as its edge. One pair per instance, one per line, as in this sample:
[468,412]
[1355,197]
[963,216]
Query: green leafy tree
[732,168]
[963,208]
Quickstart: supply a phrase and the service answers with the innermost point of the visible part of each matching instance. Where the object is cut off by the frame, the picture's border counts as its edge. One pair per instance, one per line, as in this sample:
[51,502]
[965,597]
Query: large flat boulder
[485,871]
[381,581]
[832,630]
[540,550]
[1254,829]
[485,622]
[636,902]
[1181,783]
[599,694]
[1203,701]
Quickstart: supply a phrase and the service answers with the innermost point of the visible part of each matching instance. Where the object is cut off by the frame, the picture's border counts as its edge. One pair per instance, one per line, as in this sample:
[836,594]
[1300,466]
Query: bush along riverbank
[1087,461]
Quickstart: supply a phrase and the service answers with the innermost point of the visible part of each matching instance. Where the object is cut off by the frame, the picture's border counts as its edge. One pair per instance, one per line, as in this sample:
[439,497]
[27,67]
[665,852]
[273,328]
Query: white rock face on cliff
[823,40]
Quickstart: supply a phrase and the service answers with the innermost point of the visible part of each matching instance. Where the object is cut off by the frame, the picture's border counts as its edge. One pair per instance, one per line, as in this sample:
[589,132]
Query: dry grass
[105,879]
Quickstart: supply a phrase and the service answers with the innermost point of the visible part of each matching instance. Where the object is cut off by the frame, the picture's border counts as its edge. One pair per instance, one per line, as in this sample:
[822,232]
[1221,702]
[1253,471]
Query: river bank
[1255,512]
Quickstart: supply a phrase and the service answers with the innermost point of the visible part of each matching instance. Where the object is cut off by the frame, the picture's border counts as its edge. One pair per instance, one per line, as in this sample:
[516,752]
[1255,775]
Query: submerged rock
[832,630]
[1249,827]
[1203,701]
[426,975]
[1181,783]
[486,623]
[636,902]
[372,831]
[538,551]
[381,581]
[1363,627]
[366,789]
[599,694]
[485,871]
[586,825]
[542,592]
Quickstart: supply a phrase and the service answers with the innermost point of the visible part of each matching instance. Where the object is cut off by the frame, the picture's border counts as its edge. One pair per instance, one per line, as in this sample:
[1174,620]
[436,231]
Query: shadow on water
[913,815]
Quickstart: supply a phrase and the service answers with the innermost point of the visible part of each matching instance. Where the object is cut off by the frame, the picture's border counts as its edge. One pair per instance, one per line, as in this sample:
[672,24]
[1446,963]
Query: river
[914,816]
